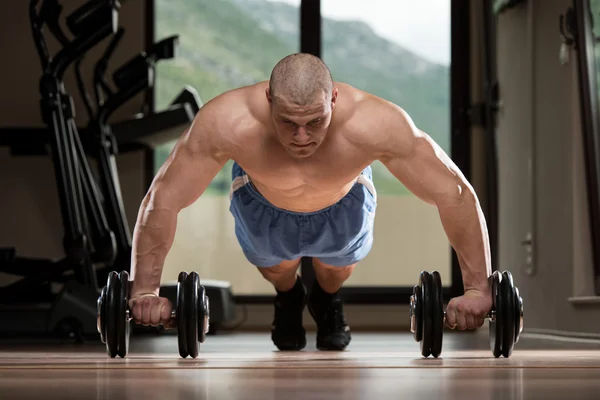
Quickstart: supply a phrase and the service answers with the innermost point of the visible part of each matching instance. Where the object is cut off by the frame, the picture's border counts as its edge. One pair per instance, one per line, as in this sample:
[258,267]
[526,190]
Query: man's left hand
[469,310]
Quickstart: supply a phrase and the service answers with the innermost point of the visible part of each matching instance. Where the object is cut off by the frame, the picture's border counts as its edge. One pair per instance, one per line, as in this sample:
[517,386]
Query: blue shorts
[339,235]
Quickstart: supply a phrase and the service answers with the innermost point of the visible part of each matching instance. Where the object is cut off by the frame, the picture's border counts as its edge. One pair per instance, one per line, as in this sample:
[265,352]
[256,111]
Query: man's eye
[316,121]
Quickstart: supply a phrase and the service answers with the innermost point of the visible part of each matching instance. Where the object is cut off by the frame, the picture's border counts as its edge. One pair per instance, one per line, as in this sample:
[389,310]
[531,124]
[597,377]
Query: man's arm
[427,171]
[194,162]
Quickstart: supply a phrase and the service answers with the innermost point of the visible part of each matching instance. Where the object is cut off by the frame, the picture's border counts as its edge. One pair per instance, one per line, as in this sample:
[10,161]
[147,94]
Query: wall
[541,181]
[29,206]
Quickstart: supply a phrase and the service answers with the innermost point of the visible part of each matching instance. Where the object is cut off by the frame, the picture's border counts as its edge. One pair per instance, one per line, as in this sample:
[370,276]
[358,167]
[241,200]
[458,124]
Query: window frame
[311,42]
[584,42]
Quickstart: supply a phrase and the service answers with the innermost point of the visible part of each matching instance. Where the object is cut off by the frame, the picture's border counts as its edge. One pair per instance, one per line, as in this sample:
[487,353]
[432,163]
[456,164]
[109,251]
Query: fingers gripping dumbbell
[191,314]
[491,316]
[427,314]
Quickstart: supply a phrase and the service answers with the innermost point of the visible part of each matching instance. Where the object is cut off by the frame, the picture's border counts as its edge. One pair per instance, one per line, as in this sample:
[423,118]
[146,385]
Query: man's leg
[326,307]
[287,331]
[330,277]
[283,275]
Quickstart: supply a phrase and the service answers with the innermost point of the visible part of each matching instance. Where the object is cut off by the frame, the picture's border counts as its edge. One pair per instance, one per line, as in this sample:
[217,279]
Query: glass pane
[224,44]
[398,50]
[595,11]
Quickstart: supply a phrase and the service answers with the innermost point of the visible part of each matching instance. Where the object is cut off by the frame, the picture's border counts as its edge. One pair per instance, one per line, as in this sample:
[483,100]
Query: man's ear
[268,93]
[334,94]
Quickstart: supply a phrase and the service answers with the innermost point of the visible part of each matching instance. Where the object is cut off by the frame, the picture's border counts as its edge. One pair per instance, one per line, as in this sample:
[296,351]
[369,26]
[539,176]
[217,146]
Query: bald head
[301,79]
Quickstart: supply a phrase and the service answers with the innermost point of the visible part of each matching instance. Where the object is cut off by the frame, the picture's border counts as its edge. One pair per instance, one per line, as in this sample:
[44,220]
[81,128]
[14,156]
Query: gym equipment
[222,302]
[191,314]
[103,143]
[96,229]
[102,140]
[142,130]
[130,79]
[81,209]
[427,315]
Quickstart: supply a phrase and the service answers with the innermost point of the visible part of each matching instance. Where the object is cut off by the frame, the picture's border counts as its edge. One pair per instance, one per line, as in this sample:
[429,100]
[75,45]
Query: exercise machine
[96,228]
[87,236]
[130,79]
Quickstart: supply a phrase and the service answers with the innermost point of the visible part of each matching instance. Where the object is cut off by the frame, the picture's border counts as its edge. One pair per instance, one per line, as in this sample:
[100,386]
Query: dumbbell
[427,314]
[191,314]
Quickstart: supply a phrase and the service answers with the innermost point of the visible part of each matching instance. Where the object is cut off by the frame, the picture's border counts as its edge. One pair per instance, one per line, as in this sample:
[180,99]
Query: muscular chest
[327,170]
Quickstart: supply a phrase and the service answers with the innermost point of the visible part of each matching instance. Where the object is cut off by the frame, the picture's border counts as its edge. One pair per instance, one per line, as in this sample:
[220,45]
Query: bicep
[192,164]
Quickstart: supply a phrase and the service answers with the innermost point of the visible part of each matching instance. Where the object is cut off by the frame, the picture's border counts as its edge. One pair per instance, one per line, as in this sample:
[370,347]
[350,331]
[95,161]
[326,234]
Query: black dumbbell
[427,314]
[191,314]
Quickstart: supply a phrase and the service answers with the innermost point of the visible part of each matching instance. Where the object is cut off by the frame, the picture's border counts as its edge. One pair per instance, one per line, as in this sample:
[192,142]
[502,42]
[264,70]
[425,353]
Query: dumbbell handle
[173,315]
[128,319]
[491,316]
[173,318]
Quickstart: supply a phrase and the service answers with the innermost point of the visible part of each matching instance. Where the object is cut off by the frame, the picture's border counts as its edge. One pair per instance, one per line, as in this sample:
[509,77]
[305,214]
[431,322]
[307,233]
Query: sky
[422,26]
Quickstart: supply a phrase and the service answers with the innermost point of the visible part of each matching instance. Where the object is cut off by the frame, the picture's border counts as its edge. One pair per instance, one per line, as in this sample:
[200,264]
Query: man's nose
[301,135]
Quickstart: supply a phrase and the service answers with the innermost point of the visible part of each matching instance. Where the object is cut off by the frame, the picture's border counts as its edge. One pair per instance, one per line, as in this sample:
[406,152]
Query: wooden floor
[246,366]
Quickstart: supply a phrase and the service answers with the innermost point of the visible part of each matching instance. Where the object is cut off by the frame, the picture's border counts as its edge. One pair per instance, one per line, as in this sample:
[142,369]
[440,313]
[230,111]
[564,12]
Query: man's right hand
[151,310]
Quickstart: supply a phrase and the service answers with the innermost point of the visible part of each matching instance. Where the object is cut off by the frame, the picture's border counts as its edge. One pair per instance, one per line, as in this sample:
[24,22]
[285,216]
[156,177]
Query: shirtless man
[302,146]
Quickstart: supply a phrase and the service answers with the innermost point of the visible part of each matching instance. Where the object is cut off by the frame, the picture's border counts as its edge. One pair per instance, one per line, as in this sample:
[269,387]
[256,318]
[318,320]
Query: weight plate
[437,313]
[112,306]
[181,315]
[508,321]
[193,308]
[123,329]
[518,314]
[101,311]
[206,315]
[416,317]
[128,317]
[425,283]
[202,313]
[495,327]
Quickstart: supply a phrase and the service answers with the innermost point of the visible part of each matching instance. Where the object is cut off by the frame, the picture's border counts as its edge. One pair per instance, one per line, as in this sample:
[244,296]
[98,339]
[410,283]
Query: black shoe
[333,333]
[287,331]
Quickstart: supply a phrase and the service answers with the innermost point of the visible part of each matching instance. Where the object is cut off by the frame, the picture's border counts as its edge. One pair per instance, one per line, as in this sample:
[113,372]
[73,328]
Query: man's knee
[284,267]
[331,277]
[317,263]
[283,275]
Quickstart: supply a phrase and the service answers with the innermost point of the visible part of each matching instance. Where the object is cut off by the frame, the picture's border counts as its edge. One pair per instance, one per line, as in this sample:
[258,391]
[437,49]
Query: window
[595,25]
[400,51]
[583,23]
[223,45]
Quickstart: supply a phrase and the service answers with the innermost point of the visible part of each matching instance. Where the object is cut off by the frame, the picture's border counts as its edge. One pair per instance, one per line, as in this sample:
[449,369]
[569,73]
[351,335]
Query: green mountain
[225,44]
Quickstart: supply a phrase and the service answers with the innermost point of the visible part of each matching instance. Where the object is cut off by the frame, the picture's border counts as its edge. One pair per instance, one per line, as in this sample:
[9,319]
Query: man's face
[302,129]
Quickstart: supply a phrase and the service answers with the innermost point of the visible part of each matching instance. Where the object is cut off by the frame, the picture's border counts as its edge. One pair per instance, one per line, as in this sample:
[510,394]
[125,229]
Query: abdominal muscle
[304,196]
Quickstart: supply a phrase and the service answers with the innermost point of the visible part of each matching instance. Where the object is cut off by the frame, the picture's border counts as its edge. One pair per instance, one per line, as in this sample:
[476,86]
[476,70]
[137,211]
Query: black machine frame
[97,237]
[461,122]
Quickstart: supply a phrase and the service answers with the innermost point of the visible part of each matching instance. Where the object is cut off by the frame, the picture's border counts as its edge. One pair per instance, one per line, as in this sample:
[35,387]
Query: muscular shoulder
[375,124]
[229,120]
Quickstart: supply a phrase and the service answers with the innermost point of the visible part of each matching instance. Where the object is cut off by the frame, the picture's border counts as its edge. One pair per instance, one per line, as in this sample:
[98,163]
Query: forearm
[152,239]
[465,226]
